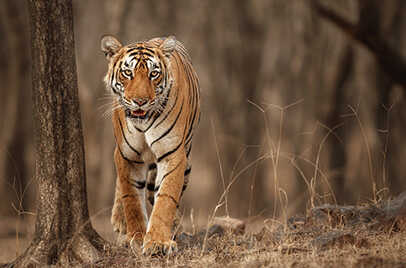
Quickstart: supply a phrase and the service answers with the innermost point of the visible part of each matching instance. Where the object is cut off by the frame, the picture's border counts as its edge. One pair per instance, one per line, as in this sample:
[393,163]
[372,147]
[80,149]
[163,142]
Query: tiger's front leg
[170,178]
[131,198]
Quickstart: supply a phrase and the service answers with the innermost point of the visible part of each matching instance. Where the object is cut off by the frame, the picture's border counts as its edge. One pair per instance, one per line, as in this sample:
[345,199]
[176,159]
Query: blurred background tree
[16,161]
[295,112]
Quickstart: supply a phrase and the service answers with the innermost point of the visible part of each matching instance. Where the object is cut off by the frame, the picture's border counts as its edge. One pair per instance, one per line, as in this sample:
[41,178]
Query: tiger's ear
[168,45]
[110,45]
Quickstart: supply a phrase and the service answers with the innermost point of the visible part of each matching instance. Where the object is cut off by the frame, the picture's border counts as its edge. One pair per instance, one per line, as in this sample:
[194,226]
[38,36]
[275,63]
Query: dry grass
[303,242]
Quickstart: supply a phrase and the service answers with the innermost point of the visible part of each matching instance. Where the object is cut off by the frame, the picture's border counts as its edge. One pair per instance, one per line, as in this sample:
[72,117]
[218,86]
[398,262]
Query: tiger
[156,109]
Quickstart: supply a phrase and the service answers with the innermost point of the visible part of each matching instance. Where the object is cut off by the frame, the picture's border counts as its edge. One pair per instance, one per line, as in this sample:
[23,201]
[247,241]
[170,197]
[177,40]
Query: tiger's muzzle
[137,108]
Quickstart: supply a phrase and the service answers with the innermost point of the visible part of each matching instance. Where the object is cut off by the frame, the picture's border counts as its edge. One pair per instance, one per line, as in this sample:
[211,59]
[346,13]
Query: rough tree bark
[63,232]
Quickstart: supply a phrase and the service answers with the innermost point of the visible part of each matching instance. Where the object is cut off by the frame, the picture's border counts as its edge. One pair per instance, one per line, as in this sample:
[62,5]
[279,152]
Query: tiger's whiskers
[109,106]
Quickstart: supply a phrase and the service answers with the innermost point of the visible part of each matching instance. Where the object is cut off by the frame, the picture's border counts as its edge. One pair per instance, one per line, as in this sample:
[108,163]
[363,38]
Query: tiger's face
[139,75]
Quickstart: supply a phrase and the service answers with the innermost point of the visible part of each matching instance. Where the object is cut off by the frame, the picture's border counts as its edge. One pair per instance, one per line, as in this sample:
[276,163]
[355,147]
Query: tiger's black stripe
[171,127]
[153,121]
[167,174]
[137,53]
[131,50]
[129,160]
[154,188]
[159,79]
[138,184]
[169,152]
[189,139]
[193,102]
[170,111]
[143,48]
[147,54]
[183,189]
[151,200]
[188,151]
[149,49]
[140,54]
[191,125]
[138,63]
[176,148]
[152,166]
[187,171]
[141,51]
[170,197]
[151,187]
[138,129]
[125,138]
[113,76]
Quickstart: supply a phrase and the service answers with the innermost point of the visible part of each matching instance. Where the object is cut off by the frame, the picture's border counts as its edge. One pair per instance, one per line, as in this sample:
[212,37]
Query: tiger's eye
[127,73]
[154,74]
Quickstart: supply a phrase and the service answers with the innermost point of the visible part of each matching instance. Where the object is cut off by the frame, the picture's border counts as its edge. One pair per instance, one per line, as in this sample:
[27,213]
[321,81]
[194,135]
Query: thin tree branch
[390,60]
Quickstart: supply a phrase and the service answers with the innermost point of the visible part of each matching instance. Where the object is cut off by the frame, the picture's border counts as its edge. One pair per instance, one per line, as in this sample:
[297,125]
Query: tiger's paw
[118,221]
[122,241]
[135,244]
[154,248]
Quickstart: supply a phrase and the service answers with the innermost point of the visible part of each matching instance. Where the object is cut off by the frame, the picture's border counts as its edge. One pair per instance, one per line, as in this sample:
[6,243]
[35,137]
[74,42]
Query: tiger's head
[139,74]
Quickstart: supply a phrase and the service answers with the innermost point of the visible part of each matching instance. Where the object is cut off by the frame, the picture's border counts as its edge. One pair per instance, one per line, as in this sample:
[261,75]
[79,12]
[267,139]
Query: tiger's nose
[140,101]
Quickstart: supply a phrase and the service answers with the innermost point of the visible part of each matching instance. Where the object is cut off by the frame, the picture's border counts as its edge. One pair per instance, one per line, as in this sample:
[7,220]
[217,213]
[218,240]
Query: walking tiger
[156,110]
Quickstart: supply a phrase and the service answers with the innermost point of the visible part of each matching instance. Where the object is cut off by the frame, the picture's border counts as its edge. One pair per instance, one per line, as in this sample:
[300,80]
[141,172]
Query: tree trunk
[251,55]
[63,232]
[336,123]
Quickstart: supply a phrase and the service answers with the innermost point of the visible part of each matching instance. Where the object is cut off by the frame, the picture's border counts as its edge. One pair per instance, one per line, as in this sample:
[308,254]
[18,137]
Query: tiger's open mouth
[139,113]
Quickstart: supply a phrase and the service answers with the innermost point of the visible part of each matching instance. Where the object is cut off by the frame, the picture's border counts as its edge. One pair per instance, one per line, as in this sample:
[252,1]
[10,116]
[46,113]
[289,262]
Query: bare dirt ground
[329,236]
